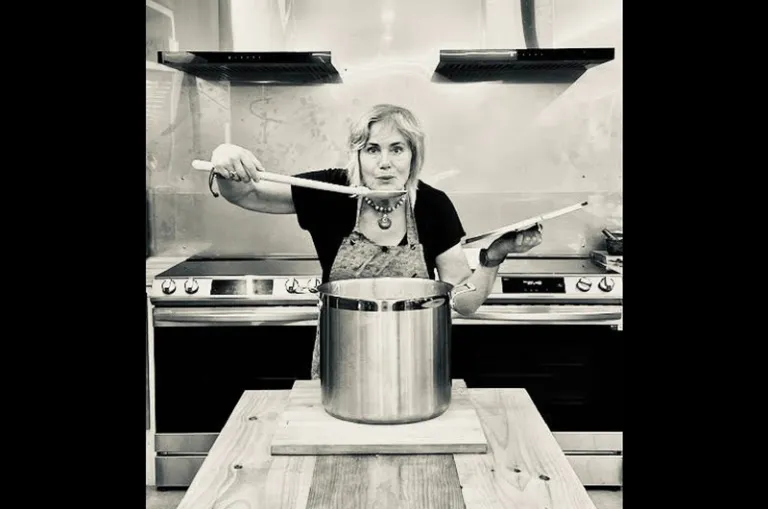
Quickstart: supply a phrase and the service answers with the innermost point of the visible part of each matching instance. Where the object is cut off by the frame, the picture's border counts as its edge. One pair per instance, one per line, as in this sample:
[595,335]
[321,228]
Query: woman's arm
[267,197]
[452,266]
[237,171]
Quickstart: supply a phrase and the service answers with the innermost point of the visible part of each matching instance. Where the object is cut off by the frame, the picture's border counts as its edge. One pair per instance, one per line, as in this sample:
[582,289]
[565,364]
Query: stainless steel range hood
[252,47]
[520,65]
[273,67]
[528,64]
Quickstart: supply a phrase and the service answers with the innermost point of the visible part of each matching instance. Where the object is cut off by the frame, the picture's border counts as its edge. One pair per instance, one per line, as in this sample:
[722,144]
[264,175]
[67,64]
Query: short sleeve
[448,229]
[307,202]
[438,223]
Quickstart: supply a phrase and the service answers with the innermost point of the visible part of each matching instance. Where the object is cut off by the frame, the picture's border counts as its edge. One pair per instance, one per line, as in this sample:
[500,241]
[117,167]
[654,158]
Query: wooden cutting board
[306,429]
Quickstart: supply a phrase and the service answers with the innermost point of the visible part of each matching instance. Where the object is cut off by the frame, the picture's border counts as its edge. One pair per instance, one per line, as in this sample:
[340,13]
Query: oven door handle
[550,316]
[168,317]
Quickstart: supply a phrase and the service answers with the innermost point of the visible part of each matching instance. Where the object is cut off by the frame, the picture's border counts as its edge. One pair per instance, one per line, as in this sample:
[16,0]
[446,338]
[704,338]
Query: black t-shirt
[329,217]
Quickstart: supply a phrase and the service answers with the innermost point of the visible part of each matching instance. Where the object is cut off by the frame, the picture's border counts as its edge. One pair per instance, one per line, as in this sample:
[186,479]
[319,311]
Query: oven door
[568,358]
[571,366]
[204,359]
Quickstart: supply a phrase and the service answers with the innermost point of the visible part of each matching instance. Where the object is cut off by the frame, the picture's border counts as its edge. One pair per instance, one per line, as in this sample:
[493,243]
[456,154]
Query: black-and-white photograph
[384,254]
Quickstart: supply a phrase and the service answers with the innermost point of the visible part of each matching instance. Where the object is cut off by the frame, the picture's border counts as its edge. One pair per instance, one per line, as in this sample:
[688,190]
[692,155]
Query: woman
[411,235]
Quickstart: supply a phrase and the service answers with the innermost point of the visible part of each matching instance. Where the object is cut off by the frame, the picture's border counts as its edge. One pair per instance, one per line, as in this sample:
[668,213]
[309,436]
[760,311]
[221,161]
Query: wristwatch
[485,262]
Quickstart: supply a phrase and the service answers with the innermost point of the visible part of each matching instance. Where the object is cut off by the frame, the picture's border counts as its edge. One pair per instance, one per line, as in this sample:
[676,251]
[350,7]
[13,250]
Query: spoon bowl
[380,193]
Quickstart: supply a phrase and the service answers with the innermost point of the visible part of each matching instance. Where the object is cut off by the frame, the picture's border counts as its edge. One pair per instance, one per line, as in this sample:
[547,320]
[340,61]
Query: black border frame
[89,395]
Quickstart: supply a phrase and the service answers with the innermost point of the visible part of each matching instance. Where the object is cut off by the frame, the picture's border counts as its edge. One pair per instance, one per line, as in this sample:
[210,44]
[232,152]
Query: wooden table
[524,467]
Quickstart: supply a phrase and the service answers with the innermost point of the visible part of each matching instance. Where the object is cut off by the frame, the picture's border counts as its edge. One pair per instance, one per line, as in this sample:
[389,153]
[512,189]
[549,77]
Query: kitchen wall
[502,152]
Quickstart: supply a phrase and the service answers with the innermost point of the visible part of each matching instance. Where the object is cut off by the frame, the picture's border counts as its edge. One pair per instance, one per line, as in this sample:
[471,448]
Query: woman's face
[385,161]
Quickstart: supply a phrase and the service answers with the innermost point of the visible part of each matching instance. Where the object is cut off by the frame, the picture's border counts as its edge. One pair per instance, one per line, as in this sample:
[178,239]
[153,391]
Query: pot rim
[434,300]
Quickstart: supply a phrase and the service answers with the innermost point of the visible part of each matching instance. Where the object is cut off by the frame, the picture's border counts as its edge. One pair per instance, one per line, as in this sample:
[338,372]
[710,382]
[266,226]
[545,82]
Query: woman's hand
[231,162]
[515,242]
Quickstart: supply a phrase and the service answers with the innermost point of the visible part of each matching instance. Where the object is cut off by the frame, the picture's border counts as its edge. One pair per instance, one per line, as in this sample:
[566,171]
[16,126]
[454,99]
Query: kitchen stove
[551,325]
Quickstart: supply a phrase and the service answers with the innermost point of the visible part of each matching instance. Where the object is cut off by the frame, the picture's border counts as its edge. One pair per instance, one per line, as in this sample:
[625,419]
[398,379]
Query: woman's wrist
[489,259]
[234,190]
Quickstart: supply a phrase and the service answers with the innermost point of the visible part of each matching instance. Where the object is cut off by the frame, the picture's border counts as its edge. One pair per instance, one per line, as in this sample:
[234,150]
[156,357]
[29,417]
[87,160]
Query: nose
[384,161]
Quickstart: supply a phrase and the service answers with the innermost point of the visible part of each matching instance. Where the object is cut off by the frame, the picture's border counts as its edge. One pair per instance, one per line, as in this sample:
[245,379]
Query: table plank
[524,467]
[240,472]
[385,481]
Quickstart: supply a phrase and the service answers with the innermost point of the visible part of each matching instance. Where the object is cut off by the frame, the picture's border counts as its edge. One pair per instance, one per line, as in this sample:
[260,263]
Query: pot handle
[432,302]
[468,287]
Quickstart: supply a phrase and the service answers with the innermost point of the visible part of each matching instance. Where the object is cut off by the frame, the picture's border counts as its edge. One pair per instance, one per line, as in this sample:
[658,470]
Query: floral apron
[359,257]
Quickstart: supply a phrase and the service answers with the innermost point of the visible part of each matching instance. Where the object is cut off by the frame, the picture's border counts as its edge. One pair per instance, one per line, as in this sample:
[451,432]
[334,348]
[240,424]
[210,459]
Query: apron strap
[410,222]
[357,214]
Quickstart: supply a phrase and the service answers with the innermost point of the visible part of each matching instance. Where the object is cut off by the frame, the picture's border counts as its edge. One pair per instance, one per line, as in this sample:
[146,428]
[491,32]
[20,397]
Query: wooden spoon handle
[294,181]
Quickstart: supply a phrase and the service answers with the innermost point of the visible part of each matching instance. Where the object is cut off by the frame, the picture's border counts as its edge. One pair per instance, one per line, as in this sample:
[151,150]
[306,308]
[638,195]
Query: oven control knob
[606,284]
[312,284]
[168,286]
[191,286]
[584,284]
[291,285]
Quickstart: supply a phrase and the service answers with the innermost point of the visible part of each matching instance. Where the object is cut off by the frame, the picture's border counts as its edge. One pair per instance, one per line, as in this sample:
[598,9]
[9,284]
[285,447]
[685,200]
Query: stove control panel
[596,285]
[238,288]
[269,289]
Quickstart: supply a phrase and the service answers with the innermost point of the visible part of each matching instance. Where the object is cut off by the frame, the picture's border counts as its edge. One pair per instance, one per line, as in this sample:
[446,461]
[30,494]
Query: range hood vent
[277,67]
[520,65]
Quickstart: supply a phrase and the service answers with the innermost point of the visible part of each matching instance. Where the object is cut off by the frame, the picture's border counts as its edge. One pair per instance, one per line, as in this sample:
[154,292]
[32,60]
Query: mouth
[386,178]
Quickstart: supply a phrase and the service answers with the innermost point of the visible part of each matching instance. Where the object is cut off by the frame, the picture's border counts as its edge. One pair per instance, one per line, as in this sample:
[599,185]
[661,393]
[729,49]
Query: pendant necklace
[384,221]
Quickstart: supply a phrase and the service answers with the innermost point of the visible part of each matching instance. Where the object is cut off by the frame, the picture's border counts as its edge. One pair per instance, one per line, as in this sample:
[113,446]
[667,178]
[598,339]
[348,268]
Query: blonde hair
[406,123]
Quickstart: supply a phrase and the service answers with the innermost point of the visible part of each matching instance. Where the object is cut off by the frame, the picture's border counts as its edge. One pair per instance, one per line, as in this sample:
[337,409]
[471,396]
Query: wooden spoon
[312,184]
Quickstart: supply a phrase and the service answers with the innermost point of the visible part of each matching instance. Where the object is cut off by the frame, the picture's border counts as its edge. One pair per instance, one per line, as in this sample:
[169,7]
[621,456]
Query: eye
[372,150]
[397,149]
